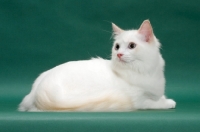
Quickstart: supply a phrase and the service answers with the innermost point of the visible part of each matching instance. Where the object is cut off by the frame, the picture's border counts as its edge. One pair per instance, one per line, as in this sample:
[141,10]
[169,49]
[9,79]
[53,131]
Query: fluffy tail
[27,104]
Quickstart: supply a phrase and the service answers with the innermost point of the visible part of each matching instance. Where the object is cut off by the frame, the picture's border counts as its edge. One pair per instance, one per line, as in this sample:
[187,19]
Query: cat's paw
[170,103]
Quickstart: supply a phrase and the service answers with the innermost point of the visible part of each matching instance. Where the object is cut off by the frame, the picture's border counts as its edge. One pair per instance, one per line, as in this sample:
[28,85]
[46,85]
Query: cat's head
[135,46]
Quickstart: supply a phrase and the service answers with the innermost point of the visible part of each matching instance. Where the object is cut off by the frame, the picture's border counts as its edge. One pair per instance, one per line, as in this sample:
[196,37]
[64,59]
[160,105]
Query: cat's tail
[27,104]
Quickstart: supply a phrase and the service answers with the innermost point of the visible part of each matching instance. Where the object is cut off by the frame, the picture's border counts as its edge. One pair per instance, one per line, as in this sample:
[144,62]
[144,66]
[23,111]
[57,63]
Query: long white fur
[135,81]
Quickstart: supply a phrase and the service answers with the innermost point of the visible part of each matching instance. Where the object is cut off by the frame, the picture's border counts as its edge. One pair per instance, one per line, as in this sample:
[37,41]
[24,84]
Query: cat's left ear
[116,29]
[146,30]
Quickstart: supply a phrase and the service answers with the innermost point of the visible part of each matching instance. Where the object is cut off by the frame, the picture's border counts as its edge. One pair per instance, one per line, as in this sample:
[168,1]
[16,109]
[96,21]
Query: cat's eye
[131,45]
[117,46]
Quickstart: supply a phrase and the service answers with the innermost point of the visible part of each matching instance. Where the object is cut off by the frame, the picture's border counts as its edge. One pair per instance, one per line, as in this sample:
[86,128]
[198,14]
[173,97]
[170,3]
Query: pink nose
[119,55]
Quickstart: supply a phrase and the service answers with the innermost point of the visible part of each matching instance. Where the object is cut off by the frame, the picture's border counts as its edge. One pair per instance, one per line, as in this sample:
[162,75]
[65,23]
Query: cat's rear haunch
[132,79]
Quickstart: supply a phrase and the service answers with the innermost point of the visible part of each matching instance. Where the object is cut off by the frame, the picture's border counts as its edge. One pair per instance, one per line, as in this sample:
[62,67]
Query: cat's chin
[122,63]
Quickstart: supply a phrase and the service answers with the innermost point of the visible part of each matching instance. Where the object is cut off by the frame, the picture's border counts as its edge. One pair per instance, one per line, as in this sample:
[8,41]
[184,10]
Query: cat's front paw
[170,103]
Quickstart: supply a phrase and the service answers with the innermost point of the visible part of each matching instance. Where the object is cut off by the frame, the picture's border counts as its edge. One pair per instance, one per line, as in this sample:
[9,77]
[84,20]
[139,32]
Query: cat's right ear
[116,29]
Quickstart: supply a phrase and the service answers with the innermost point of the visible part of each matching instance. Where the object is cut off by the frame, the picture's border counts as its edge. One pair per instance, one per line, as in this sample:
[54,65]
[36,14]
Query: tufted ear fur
[116,29]
[146,30]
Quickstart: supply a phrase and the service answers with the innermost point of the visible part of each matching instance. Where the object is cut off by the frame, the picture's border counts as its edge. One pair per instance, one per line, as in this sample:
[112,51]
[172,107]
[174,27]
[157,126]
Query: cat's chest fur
[147,82]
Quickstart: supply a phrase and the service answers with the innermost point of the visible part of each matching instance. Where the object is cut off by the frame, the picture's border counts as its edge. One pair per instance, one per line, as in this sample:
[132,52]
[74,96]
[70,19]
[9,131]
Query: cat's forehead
[128,36]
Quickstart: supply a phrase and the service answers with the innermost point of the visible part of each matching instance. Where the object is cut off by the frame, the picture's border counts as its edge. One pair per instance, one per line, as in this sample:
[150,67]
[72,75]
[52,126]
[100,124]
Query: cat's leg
[162,103]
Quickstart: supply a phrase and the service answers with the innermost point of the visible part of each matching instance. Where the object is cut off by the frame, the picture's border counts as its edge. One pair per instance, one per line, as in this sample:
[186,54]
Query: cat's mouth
[121,60]
[124,60]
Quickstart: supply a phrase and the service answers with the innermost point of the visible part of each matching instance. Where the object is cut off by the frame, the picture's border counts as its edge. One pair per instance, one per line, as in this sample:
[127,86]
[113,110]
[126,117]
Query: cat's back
[78,73]
[94,65]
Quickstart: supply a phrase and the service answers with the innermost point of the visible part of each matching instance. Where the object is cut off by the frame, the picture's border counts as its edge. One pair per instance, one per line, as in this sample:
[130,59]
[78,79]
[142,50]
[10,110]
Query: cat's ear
[146,30]
[116,29]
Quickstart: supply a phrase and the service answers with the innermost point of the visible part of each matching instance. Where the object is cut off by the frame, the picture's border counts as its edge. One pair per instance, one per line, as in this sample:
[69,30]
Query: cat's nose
[119,55]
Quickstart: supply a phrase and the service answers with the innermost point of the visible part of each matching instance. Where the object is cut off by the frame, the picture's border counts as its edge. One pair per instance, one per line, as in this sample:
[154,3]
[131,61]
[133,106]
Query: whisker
[107,21]
[108,56]
[106,31]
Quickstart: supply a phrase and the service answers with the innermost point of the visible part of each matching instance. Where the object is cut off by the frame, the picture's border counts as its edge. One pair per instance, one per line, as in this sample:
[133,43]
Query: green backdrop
[36,35]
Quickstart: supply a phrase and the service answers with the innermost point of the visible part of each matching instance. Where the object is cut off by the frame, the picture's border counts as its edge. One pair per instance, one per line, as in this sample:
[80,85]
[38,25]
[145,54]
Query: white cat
[132,79]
